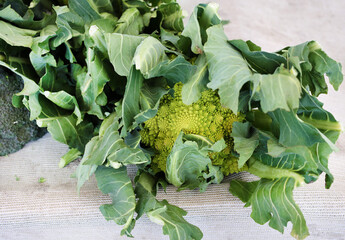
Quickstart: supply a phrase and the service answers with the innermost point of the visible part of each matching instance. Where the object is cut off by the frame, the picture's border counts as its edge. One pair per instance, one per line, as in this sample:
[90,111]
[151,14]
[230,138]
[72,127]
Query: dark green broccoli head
[15,127]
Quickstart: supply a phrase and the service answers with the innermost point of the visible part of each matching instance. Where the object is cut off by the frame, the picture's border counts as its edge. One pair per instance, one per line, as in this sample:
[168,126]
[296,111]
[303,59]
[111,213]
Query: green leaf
[191,91]
[106,145]
[192,31]
[28,22]
[84,172]
[176,70]
[294,132]
[131,22]
[118,185]
[203,17]
[325,65]
[313,63]
[102,5]
[280,90]
[121,50]
[126,155]
[245,141]
[161,212]
[151,92]
[40,62]
[84,10]
[172,16]
[321,153]
[90,84]
[70,24]
[15,36]
[66,130]
[17,60]
[130,104]
[65,101]
[149,54]
[227,78]
[272,202]
[262,62]
[187,166]
[311,111]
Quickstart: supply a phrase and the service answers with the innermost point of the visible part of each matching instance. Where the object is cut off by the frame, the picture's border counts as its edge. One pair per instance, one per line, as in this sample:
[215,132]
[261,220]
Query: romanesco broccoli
[206,117]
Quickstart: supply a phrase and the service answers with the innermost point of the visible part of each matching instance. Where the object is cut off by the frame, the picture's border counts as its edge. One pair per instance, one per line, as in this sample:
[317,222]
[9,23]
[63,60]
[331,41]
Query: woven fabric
[53,210]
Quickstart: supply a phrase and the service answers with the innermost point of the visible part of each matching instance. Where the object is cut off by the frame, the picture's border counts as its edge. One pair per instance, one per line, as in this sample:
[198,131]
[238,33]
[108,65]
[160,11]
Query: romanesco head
[205,117]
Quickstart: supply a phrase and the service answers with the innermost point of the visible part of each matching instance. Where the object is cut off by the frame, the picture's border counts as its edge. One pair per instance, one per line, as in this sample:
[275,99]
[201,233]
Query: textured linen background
[53,210]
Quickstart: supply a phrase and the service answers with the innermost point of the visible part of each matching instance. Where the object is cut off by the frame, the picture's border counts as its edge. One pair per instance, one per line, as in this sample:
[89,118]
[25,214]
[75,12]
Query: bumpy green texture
[15,127]
[206,117]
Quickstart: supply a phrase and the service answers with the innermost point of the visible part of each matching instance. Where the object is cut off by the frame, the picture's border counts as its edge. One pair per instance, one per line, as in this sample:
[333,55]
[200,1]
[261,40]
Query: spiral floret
[205,117]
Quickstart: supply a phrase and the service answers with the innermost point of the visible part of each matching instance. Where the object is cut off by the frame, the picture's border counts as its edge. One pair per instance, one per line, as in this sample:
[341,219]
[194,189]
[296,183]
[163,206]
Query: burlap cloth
[53,210]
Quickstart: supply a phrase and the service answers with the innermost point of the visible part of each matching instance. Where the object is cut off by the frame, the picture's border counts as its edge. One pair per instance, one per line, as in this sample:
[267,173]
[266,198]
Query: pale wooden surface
[53,210]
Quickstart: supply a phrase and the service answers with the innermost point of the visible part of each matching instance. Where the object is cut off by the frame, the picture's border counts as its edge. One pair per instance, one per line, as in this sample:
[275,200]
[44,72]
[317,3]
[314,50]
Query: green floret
[206,117]
[15,127]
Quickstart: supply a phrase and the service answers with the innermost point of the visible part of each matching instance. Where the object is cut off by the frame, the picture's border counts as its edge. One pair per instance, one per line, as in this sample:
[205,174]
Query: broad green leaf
[187,166]
[172,16]
[84,9]
[272,201]
[296,161]
[245,141]
[191,91]
[227,78]
[131,99]
[176,70]
[102,5]
[262,62]
[118,185]
[56,79]
[131,22]
[192,31]
[34,106]
[169,36]
[39,62]
[84,172]
[121,50]
[294,132]
[70,23]
[66,130]
[321,152]
[132,139]
[126,155]
[203,17]
[65,101]
[15,36]
[313,63]
[105,145]
[280,90]
[208,17]
[91,84]
[325,65]
[311,111]
[61,98]
[151,92]
[28,22]
[49,111]
[149,54]
[17,60]
[161,212]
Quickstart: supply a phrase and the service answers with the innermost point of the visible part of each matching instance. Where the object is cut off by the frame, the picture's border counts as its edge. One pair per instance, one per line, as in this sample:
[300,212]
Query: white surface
[53,210]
